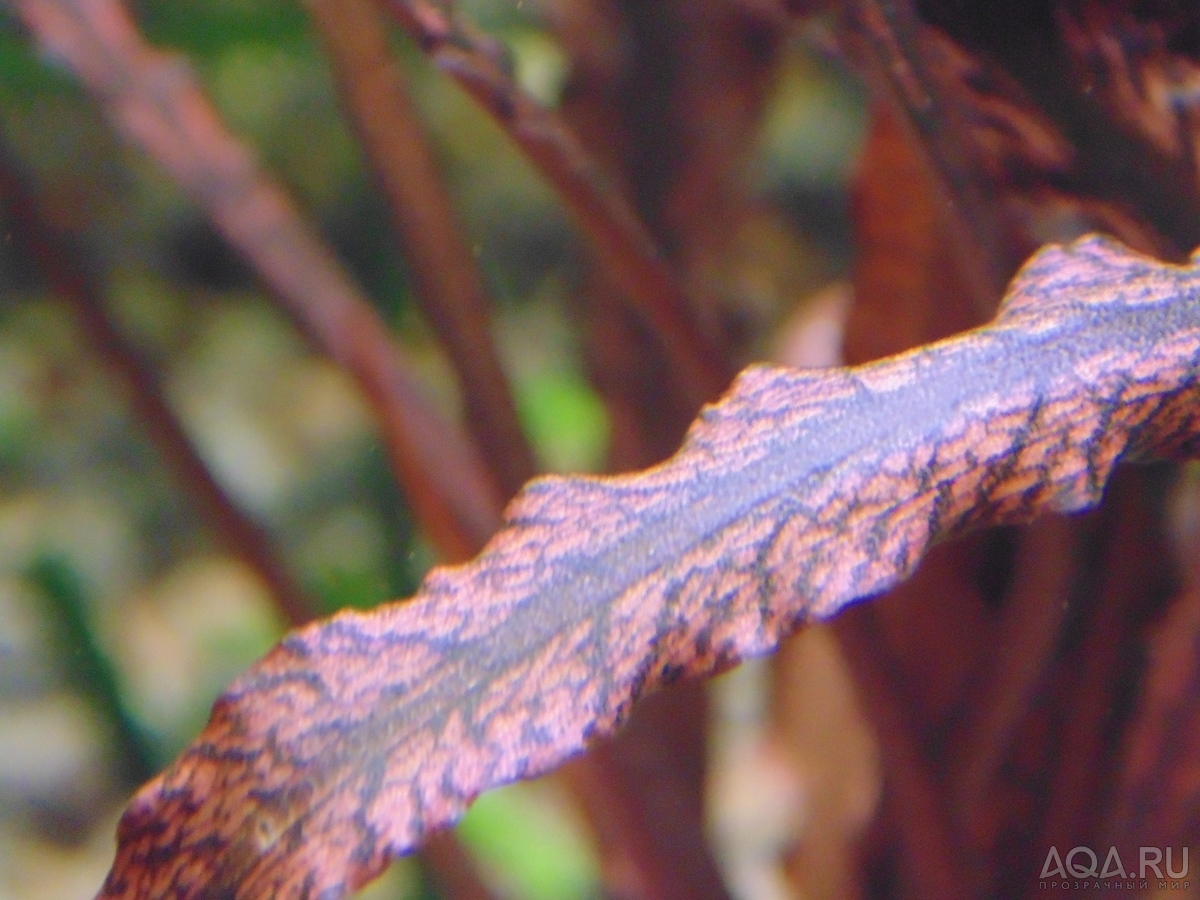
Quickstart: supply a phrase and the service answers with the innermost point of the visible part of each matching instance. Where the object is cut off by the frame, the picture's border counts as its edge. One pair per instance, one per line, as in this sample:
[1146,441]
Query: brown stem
[453,869]
[934,860]
[1156,799]
[1025,642]
[449,285]
[1130,584]
[641,861]
[77,286]
[154,101]
[884,39]
[602,212]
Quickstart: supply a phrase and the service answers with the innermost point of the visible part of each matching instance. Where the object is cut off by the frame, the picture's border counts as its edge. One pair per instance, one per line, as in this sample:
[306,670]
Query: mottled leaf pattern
[798,493]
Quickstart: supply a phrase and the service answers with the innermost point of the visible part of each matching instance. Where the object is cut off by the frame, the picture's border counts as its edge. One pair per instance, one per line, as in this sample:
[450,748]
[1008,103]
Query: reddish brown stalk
[151,97]
[690,98]
[884,39]
[449,285]
[933,859]
[453,869]
[646,814]
[1155,804]
[1025,642]
[605,217]
[73,283]
[1131,584]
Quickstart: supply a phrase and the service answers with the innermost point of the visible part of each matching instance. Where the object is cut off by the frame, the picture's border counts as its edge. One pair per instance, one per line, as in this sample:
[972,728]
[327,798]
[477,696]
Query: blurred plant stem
[450,285]
[87,668]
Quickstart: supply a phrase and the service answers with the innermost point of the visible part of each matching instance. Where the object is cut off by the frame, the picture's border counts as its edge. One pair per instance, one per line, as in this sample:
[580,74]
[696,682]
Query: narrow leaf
[797,494]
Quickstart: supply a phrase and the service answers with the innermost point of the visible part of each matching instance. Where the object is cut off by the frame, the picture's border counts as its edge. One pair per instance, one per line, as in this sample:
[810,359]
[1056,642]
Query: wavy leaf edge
[799,492]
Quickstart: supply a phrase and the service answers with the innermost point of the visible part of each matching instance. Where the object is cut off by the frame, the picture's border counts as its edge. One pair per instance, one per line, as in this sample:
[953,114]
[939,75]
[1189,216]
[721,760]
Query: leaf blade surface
[798,493]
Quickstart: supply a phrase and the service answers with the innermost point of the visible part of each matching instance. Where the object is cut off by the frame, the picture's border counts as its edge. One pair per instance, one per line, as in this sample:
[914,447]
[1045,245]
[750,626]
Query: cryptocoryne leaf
[798,493]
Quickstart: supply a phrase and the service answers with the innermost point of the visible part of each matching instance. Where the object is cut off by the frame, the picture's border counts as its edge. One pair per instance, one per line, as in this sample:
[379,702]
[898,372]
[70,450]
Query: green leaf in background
[564,419]
[202,29]
[530,845]
[87,666]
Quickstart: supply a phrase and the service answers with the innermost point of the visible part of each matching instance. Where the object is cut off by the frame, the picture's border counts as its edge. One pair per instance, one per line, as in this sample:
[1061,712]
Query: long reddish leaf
[800,492]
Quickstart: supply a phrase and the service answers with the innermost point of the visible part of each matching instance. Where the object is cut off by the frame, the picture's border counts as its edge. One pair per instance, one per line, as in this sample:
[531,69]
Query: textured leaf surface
[798,493]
